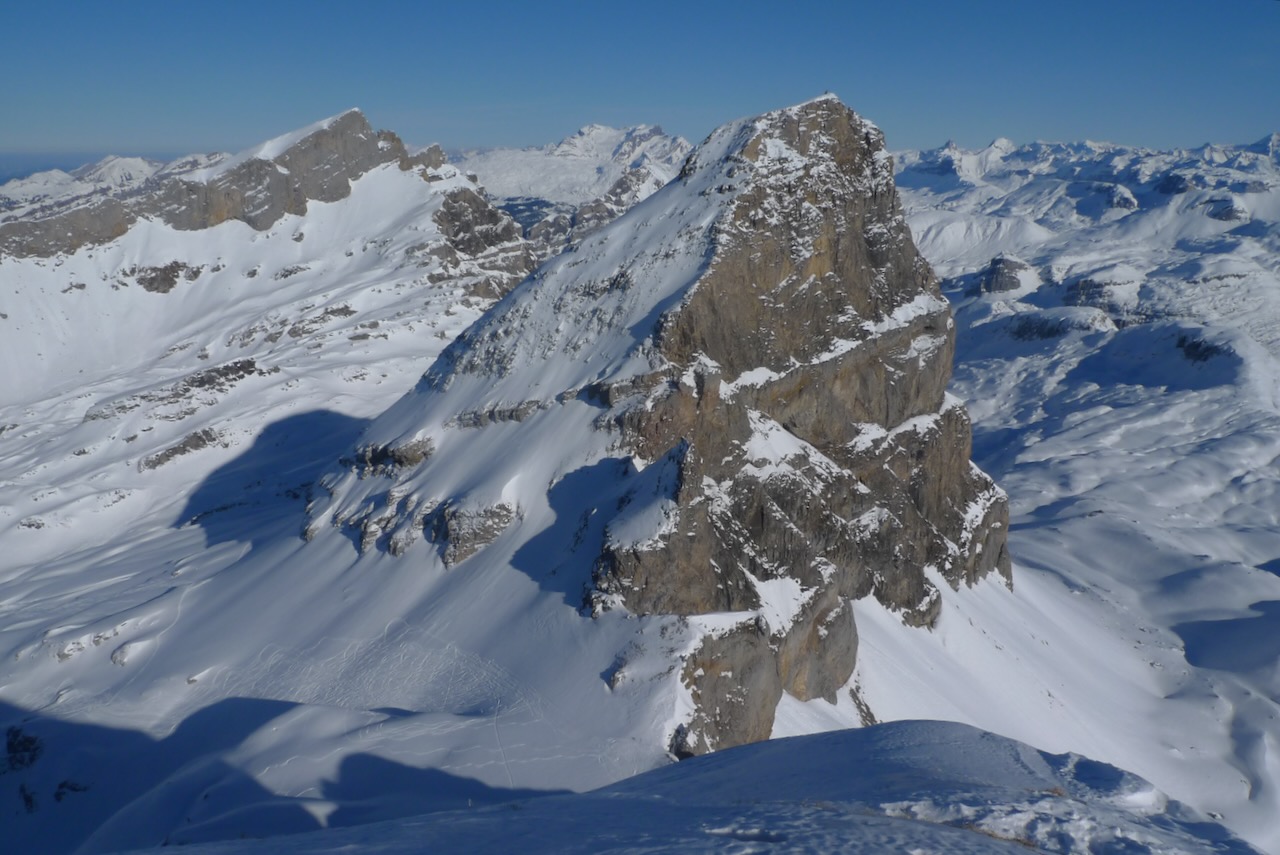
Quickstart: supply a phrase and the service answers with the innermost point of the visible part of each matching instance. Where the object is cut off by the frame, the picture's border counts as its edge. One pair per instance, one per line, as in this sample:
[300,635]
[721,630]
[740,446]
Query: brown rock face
[832,466]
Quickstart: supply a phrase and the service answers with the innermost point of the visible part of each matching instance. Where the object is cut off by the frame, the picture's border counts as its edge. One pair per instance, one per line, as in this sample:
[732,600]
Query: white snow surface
[1125,398]
[579,168]
[926,788]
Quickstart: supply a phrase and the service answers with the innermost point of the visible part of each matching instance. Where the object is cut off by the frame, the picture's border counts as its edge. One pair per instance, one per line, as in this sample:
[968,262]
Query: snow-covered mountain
[562,192]
[209,365]
[109,176]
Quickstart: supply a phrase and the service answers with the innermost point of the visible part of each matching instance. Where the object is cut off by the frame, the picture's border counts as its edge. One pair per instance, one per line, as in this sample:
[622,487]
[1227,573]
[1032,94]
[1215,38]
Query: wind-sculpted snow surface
[919,787]
[727,408]
[1118,351]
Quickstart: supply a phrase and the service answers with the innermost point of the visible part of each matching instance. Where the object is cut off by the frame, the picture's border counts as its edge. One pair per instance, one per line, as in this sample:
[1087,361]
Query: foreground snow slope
[919,787]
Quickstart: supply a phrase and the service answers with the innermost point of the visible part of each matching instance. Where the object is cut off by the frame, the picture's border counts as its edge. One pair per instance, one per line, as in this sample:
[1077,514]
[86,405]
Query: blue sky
[151,77]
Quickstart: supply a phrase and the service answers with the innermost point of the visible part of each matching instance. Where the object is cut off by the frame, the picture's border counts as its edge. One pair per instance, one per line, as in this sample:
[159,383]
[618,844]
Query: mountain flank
[761,355]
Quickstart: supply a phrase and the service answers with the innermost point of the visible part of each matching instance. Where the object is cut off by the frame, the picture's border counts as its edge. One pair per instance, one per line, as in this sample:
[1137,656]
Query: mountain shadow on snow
[263,492]
[70,787]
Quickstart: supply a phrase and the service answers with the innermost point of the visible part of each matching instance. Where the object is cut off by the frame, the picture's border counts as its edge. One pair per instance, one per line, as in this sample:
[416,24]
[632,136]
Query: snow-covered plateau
[304,525]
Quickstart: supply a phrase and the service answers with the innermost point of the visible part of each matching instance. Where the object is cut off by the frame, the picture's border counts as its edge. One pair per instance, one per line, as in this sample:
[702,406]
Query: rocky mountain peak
[1268,145]
[257,186]
[749,368]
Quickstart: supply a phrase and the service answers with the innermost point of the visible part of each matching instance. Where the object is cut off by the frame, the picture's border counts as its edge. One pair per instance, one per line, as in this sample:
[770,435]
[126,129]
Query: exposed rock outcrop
[765,354]
[1004,273]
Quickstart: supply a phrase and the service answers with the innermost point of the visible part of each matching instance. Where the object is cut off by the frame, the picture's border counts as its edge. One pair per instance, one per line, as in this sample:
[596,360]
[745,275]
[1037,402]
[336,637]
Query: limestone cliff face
[833,459]
[749,369]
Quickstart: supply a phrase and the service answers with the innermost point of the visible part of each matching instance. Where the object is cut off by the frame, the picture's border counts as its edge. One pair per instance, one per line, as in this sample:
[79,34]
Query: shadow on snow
[264,491]
[70,787]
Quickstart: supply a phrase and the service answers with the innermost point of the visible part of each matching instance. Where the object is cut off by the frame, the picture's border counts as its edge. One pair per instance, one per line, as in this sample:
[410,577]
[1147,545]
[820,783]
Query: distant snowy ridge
[257,186]
[579,168]
[560,193]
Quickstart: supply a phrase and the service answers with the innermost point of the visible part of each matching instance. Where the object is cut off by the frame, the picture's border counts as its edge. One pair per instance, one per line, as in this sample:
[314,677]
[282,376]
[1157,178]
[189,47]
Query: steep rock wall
[818,294]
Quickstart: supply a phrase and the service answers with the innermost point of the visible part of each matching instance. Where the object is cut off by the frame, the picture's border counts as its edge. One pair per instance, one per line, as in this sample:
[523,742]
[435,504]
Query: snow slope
[150,440]
[918,787]
[1124,394]
[579,168]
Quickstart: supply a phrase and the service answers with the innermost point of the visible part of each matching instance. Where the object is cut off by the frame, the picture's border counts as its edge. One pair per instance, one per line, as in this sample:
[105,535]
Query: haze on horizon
[149,81]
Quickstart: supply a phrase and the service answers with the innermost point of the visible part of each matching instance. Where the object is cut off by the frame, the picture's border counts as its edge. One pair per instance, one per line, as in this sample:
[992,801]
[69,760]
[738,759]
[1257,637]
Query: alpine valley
[423,500]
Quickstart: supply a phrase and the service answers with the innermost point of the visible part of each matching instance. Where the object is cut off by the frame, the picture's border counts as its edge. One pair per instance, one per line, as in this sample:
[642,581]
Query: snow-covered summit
[111,176]
[273,148]
[581,167]
[119,172]
[562,192]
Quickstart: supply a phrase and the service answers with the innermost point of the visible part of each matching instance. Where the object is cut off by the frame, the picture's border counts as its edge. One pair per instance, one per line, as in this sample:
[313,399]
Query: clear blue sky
[177,77]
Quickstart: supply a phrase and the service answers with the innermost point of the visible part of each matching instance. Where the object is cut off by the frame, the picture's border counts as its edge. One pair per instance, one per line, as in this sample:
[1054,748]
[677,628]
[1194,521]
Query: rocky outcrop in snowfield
[761,356]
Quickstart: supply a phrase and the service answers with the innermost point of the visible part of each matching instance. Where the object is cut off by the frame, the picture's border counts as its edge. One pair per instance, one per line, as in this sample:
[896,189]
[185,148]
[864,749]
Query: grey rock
[1172,184]
[462,532]
[1002,274]
[1122,197]
[1229,210]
